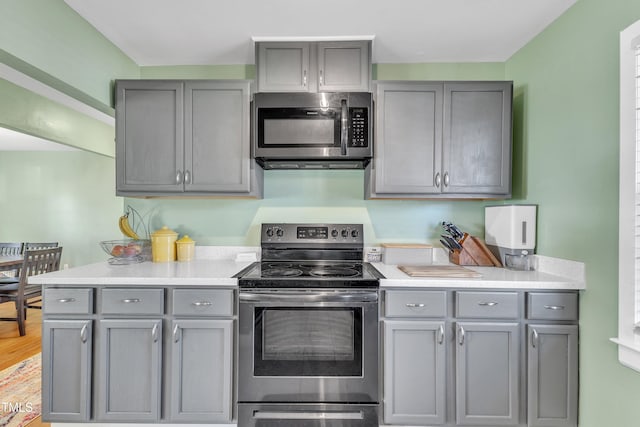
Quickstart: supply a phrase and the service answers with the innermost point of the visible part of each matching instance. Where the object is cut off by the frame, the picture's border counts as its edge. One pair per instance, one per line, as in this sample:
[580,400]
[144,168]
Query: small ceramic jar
[163,245]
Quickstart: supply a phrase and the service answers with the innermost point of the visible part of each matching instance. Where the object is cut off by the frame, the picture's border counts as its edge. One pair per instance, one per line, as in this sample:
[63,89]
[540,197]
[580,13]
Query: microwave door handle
[343,128]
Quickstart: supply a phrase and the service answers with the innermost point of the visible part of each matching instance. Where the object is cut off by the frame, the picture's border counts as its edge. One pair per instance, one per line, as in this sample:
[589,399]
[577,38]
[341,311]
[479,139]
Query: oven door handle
[307,297]
[307,415]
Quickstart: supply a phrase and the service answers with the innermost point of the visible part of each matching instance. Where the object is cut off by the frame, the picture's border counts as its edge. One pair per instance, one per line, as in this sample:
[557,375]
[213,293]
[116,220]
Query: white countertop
[203,272]
[548,273]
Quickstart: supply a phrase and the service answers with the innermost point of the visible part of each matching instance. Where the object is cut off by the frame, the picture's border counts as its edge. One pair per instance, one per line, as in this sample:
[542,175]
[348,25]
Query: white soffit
[15,141]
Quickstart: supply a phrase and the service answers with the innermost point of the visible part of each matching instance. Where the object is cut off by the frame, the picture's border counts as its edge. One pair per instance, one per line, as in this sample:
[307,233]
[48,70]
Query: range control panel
[296,233]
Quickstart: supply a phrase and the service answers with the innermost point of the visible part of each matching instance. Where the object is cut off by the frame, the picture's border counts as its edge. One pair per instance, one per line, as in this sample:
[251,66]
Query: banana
[125,227]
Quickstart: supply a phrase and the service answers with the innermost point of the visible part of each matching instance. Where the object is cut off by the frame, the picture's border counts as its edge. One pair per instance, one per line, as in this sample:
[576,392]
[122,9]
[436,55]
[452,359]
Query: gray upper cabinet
[188,137]
[339,66]
[441,140]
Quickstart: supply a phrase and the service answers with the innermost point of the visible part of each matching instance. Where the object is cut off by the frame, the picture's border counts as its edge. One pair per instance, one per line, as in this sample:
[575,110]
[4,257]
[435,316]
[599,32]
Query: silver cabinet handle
[488,304]
[304,78]
[534,338]
[176,335]
[83,333]
[65,300]
[440,334]
[131,300]
[438,180]
[154,333]
[415,305]
[321,78]
[178,177]
[187,177]
[554,307]
[446,179]
[460,335]
[202,303]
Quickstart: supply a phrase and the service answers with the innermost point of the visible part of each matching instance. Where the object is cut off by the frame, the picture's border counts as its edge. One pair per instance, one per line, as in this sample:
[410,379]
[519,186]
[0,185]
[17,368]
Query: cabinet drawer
[67,301]
[203,302]
[484,305]
[415,303]
[552,306]
[132,301]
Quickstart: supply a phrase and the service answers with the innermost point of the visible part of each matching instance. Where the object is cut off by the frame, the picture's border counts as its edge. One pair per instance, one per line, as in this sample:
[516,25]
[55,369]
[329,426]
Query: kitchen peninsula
[176,324]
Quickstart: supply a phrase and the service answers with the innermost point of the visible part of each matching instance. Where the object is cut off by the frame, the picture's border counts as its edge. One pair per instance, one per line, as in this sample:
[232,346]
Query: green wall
[61,196]
[567,98]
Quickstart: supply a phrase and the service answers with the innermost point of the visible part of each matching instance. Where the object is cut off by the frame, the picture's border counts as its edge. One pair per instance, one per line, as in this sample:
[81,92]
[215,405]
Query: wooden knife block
[473,252]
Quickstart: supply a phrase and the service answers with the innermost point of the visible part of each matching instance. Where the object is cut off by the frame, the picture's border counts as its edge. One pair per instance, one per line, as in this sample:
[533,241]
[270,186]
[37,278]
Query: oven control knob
[279,232]
[269,232]
[334,233]
[354,233]
[345,232]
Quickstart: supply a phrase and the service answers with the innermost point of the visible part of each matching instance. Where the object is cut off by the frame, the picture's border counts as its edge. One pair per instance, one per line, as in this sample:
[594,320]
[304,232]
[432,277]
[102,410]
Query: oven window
[308,342]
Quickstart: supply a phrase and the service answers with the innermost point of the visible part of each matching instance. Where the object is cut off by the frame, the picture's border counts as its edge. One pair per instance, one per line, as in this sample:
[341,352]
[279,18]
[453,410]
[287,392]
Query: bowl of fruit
[128,251]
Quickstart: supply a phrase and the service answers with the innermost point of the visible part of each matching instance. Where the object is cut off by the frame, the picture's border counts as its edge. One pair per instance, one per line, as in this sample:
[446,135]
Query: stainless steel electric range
[308,330]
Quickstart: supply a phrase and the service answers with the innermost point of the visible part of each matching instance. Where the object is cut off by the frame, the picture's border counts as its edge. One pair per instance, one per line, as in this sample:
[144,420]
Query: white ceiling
[200,32]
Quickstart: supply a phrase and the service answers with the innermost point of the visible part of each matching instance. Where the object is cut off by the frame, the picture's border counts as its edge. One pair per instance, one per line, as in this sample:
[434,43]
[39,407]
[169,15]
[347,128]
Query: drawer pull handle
[488,304]
[131,300]
[202,303]
[65,300]
[415,305]
[554,307]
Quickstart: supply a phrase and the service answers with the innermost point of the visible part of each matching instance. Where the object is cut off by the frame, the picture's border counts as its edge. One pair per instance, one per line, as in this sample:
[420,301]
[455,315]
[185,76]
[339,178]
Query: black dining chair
[23,294]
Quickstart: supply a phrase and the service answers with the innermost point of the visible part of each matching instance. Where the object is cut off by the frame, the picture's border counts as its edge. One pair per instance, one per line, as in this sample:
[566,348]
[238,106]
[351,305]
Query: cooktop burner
[309,274]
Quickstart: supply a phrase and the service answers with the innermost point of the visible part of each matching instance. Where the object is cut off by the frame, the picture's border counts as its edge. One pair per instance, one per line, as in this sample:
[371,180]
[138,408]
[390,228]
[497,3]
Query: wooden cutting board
[438,271]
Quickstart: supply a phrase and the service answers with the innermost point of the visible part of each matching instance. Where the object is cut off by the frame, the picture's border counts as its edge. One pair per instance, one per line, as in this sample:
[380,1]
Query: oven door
[308,346]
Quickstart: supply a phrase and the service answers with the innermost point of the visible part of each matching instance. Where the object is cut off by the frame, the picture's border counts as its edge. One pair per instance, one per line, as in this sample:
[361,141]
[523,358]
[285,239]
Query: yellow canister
[163,245]
[186,248]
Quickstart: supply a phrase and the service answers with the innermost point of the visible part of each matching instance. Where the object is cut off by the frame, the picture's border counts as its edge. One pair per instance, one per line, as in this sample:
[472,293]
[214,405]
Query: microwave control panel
[359,127]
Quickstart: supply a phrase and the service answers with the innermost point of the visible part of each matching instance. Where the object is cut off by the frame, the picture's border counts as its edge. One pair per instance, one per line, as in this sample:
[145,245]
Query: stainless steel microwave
[312,130]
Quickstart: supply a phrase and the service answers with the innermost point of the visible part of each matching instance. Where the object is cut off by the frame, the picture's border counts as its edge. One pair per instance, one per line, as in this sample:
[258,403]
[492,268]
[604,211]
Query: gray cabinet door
[283,67]
[414,372]
[487,373]
[217,136]
[344,66]
[149,136]
[129,360]
[201,370]
[66,370]
[408,139]
[552,375]
[477,138]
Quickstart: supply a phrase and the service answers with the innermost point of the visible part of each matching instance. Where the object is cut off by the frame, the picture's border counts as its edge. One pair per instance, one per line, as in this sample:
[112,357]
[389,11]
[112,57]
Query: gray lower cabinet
[441,140]
[66,370]
[414,372]
[129,363]
[190,137]
[201,370]
[487,369]
[332,66]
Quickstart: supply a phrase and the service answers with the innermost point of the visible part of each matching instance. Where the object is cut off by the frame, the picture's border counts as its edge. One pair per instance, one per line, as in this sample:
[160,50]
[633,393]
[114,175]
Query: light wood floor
[13,347]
